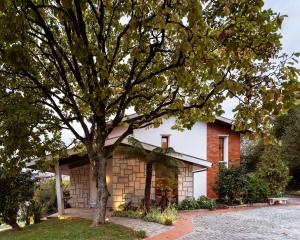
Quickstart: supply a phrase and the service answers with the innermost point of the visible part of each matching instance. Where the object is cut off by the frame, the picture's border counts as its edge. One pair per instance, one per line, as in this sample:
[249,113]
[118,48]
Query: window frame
[225,149]
[165,136]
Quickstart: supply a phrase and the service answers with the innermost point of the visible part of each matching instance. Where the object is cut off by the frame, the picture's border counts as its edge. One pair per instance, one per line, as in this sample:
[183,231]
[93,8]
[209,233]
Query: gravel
[277,223]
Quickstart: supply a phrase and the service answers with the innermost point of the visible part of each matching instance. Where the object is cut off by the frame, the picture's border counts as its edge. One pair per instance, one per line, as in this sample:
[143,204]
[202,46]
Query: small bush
[140,234]
[129,213]
[202,202]
[167,217]
[230,184]
[256,190]
[31,210]
[127,206]
[168,222]
[45,195]
[154,215]
[206,203]
[188,204]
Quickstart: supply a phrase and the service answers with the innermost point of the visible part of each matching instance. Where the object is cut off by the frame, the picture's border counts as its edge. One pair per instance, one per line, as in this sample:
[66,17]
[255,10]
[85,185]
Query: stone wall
[128,180]
[185,182]
[127,183]
[80,186]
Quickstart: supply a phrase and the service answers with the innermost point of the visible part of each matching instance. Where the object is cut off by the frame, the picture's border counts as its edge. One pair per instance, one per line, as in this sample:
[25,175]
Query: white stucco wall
[191,142]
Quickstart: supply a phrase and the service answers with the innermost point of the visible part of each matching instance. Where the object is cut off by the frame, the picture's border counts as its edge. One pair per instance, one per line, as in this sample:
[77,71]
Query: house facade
[199,150]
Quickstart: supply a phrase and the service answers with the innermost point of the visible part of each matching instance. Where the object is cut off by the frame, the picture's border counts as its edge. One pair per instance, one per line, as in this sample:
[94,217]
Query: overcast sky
[290,41]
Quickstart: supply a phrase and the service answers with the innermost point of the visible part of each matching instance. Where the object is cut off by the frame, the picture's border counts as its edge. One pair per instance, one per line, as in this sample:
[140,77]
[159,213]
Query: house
[200,149]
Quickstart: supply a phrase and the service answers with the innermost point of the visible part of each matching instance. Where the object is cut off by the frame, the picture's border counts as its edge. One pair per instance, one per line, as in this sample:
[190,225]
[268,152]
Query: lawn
[78,229]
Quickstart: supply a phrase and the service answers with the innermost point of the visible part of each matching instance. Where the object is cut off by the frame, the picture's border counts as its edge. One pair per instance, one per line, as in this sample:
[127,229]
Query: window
[221,148]
[164,142]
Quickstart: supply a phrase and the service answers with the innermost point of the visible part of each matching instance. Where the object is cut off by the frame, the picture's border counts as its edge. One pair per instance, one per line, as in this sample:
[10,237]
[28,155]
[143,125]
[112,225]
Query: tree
[287,129]
[158,157]
[251,154]
[15,190]
[23,135]
[86,62]
[273,170]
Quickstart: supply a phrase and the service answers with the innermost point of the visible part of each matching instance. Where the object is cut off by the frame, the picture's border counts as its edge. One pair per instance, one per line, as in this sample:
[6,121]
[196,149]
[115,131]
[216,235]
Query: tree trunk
[147,198]
[102,191]
[27,221]
[12,221]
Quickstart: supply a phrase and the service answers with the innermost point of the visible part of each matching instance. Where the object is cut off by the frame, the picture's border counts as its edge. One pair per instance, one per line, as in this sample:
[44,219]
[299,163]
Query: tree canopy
[87,62]
[287,130]
[15,190]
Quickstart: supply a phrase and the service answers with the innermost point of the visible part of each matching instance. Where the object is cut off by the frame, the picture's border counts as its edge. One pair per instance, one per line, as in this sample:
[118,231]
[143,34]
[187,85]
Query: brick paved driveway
[278,223]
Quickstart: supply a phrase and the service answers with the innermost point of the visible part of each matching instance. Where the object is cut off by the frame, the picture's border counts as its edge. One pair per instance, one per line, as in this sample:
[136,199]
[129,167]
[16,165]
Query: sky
[290,42]
[291,24]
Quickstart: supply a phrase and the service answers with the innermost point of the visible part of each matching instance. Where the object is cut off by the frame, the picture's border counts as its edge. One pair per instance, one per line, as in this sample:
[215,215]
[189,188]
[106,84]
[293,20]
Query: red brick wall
[214,130]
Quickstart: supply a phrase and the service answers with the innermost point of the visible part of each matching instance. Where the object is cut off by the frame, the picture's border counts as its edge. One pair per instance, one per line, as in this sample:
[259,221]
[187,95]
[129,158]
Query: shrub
[45,196]
[188,204]
[167,217]
[206,203]
[128,213]
[273,170]
[154,215]
[230,184]
[202,202]
[31,210]
[234,185]
[14,192]
[256,190]
[127,206]
[140,234]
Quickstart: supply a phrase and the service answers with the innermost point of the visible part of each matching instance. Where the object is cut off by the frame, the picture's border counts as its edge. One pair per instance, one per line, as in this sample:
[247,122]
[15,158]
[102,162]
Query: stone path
[276,223]
[150,228]
[237,224]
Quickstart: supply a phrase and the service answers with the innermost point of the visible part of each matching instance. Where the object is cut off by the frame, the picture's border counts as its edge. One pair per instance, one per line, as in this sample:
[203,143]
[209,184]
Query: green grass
[78,229]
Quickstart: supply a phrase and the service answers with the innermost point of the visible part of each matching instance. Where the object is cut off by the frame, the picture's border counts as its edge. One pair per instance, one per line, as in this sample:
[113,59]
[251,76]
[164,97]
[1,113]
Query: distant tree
[15,190]
[157,158]
[273,170]
[84,63]
[287,130]
[251,154]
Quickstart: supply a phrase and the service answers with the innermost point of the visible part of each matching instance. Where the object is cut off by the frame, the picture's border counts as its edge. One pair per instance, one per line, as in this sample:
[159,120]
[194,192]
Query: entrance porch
[126,182]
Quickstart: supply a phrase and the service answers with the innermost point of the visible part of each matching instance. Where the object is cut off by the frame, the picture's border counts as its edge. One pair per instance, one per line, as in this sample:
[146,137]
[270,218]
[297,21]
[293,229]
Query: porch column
[59,190]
